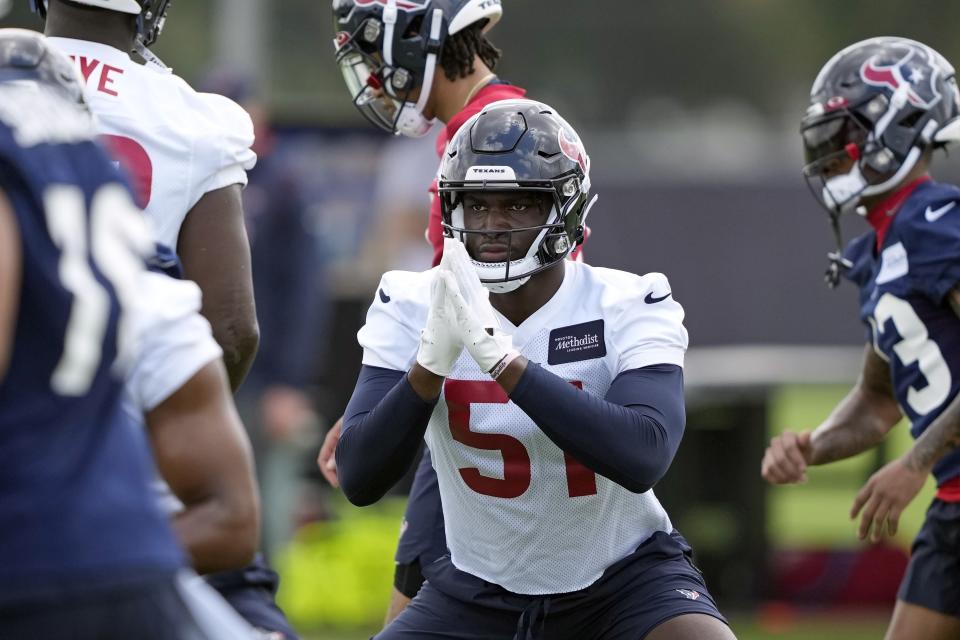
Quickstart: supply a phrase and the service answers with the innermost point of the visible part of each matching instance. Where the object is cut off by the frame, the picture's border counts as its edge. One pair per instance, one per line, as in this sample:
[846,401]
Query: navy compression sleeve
[383,429]
[630,436]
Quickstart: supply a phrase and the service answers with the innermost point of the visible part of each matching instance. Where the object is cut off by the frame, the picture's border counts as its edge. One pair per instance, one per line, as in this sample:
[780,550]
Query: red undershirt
[881,215]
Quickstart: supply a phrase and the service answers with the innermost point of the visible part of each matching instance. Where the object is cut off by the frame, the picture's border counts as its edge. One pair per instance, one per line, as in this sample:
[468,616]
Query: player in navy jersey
[879,109]
[86,551]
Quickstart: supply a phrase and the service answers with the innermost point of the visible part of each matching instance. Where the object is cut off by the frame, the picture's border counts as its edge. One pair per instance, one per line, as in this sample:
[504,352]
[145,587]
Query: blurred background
[690,112]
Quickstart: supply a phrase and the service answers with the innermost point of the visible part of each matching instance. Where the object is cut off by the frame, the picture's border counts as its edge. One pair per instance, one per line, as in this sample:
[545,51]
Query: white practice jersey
[518,511]
[174,343]
[176,144]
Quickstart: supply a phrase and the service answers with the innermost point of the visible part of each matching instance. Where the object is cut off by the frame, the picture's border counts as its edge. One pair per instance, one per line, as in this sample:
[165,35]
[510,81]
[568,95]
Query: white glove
[488,348]
[440,345]
[458,262]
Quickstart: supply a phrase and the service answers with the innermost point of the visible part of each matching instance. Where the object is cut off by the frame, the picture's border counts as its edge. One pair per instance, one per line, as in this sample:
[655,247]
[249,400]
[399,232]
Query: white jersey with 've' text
[176,144]
[518,511]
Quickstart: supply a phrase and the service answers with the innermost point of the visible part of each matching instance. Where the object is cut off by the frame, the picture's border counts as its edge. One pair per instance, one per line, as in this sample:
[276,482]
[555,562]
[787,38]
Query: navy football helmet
[881,103]
[26,56]
[519,145]
[388,51]
[151,14]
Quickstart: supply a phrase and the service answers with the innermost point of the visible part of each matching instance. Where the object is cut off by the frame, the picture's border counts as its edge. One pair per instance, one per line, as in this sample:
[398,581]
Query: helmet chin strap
[505,287]
[908,164]
[152,60]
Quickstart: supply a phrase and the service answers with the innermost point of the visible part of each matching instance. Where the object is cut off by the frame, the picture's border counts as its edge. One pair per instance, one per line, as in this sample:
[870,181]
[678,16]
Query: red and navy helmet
[519,145]
[151,14]
[26,56]
[388,50]
[882,102]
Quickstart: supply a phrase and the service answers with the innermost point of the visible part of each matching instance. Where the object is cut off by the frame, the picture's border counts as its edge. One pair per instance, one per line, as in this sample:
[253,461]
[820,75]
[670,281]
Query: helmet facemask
[371,83]
[880,137]
[555,239]
[380,87]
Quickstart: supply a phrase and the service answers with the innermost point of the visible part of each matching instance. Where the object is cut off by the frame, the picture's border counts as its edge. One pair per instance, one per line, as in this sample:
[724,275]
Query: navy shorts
[167,607]
[933,576]
[422,537]
[252,591]
[635,595]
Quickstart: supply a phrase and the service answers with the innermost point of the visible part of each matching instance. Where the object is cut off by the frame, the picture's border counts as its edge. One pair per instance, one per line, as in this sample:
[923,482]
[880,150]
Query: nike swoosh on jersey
[384,297]
[651,300]
[932,215]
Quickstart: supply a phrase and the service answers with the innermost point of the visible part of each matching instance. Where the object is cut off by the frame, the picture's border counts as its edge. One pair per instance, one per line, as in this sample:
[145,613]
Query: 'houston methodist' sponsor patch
[577,342]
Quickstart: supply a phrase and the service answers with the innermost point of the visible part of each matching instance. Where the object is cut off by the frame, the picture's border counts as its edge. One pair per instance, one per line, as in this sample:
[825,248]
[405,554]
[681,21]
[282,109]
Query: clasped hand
[460,316]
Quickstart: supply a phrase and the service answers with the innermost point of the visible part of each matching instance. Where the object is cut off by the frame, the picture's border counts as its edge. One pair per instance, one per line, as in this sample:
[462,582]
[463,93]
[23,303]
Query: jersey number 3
[118,240]
[460,394]
[915,345]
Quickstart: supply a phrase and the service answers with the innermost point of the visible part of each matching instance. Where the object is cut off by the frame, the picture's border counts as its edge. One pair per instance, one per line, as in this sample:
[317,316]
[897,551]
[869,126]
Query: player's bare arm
[859,422]
[10,266]
[862,419]
[426,383]
[215,252]
[326,459]
[203,453]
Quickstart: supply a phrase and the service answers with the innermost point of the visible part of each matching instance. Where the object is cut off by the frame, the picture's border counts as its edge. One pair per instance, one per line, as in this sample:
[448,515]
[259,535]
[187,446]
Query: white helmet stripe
[389,20]
[435,28]
[123,6]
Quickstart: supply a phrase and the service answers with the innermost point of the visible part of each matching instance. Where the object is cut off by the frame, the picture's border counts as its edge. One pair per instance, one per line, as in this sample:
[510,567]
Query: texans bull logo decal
[571,147]
[916,69]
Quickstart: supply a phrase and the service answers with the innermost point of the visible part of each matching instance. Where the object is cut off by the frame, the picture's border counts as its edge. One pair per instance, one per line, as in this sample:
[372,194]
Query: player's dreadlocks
[460,50]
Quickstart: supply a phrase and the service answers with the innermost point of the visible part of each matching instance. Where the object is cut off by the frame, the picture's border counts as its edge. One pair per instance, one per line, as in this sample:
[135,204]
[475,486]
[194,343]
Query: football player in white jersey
[86,552]
[186,152]
[551,395]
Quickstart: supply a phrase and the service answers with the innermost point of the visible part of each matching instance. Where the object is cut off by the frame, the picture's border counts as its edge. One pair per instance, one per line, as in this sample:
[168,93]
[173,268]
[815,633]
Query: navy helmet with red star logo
[877,106]
[882,102]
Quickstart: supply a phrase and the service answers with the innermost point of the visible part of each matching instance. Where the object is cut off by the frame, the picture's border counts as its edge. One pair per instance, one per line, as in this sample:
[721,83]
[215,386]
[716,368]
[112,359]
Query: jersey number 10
[116,244]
